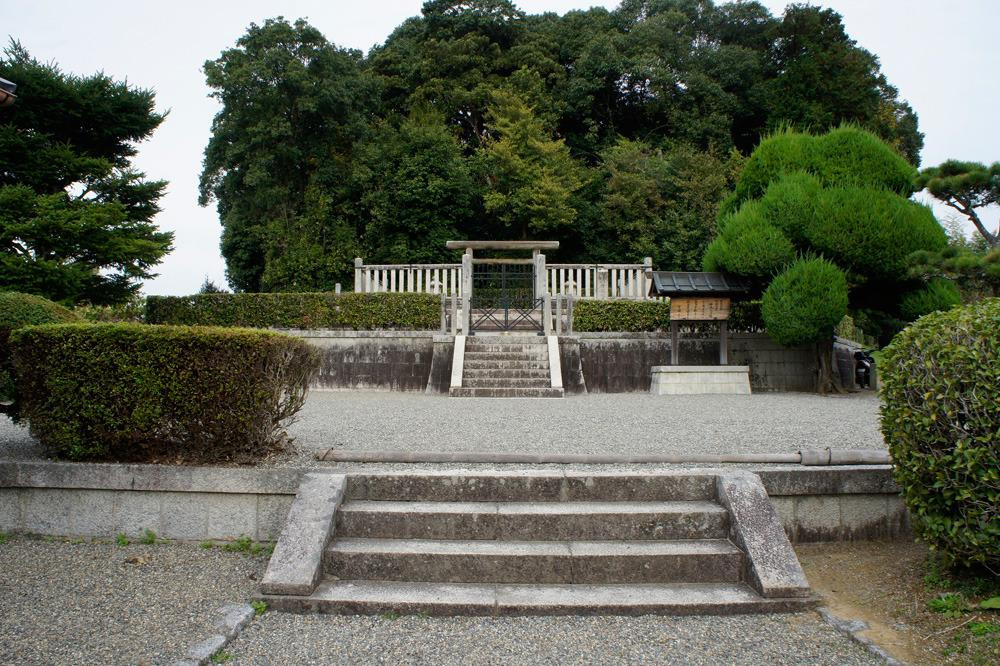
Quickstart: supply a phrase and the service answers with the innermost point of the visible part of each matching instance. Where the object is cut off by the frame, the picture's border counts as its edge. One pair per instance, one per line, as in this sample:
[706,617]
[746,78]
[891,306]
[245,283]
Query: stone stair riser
[534,568]
[535,487]
[520,526]
[480,392]
[492,348]
[475,364]
[507,356]
[501,373]
[506,382]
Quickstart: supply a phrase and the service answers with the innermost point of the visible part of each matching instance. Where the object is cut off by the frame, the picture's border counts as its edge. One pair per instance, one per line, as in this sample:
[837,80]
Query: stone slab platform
[700,379]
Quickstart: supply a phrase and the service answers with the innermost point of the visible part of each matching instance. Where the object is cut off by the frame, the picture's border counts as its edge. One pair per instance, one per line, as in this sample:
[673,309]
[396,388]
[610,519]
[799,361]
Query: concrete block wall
[97,500]
[622,362]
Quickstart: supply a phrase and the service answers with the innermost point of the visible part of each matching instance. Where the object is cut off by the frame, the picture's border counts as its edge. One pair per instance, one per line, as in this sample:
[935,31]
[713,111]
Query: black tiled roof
[670,283]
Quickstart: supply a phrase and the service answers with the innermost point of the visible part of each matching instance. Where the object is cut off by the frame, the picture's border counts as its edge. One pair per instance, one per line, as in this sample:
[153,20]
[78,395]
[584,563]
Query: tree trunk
[824,360]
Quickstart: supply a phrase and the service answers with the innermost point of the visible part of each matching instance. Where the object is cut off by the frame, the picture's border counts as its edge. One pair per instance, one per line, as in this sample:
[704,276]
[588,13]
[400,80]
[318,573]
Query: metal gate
[503,298]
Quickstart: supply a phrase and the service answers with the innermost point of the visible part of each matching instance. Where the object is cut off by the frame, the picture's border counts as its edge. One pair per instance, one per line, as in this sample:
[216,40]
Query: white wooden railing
[597,281]
[601,281]
[420,278]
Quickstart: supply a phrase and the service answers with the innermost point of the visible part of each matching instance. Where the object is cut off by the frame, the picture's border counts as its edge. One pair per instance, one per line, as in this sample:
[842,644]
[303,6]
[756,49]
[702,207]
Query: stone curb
[233,619]
[852,629]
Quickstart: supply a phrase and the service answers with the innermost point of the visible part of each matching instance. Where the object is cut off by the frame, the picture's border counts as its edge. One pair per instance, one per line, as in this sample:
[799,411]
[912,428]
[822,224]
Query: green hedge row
[133,392]
[299,310]
[648,316]
[17,310]
[941,420]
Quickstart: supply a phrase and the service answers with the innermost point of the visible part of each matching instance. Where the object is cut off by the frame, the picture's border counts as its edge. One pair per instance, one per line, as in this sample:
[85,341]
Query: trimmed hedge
[805,303]
[166,393]
[649,316]
[17,310]
[623,315]
[941,420]
[418,312]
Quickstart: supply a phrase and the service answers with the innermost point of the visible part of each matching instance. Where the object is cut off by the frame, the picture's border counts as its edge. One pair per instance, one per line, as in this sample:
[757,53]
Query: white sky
[942,60]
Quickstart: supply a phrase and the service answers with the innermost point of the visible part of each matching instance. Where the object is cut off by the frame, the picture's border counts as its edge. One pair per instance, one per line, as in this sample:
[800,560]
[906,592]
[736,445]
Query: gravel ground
[597,424]
[600,423]
[85,603]
[803,638]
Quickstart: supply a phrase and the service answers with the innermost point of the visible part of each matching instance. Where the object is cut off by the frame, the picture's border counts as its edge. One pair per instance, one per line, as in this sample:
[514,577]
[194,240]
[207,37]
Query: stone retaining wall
[101,500]
[591,362]
[622,362]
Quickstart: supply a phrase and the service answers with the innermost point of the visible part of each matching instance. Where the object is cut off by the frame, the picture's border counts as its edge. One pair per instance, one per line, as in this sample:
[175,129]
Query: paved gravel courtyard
[83,603]
[598,423]
[761,639]
[591,424]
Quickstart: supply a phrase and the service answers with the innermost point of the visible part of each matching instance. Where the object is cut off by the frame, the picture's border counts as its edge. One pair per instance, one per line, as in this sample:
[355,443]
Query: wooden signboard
[699,309]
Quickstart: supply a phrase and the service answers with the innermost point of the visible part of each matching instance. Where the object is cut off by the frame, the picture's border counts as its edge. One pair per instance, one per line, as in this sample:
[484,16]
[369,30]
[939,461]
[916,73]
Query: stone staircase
[506,366]
[546,543]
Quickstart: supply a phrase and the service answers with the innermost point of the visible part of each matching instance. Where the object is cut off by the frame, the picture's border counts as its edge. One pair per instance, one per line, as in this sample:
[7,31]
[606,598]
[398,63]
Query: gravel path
[601,423]
[85,603]
[762,639]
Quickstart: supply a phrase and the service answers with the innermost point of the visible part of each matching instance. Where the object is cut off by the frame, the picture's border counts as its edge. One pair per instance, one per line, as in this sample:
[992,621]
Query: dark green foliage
[777,155]
[791,204]
[937,294]
[612,132]
[76,219]
[17,310]
[871,232]
[614,315]
[299,310]
[749,246]
[977,272]
[804,303]
[940,420]
[850,156]
[651,316]
[168,393]
[965,186]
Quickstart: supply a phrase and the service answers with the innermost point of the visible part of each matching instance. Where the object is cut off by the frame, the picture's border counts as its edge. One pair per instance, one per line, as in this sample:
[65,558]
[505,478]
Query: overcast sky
[943,57]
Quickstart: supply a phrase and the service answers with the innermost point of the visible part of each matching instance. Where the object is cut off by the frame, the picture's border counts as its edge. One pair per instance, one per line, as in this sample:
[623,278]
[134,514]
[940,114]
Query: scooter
[863,364]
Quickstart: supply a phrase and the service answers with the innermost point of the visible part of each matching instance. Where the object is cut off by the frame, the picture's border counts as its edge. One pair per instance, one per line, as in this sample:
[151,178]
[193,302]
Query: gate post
[541,277]
[466,293]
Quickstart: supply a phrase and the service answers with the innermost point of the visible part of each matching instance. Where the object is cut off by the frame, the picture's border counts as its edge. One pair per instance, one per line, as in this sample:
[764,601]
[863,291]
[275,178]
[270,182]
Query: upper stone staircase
[551,543]
[506,366]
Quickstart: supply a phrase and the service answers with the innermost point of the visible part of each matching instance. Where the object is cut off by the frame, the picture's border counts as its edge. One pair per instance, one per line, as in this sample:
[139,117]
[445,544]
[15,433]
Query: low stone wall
[623,362]
[375,360]
[101,500]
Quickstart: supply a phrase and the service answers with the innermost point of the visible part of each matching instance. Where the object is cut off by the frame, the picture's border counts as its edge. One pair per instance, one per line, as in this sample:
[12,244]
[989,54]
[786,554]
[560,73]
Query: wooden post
[675,343]
[723,342]
[467,292]
[359,285]
[602,282]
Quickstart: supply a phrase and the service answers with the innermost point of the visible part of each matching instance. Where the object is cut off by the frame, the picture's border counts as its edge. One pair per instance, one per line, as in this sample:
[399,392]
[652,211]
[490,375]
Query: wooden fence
[597,281]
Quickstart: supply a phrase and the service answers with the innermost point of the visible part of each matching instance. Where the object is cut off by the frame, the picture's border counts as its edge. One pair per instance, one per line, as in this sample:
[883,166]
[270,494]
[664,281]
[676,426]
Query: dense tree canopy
[617,133]
[75,216]
[841,195]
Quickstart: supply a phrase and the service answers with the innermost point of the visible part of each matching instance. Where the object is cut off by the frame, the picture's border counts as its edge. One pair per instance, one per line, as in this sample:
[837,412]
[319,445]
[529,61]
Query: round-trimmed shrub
[941,420]
[851,156]
[164,393]
[17,310]
[749,245]
[779,154]
[805,303]
[791,204]
[937,294]
[872,232]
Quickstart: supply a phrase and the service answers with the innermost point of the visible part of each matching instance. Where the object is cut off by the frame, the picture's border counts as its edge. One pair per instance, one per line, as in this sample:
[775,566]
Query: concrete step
[530,486]
[369,597]
[529,521]
[479,346]
[485,364]
[547,562]
[500,373]
[474,392]
[499,338]
[506,382]
[541,355]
